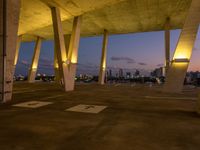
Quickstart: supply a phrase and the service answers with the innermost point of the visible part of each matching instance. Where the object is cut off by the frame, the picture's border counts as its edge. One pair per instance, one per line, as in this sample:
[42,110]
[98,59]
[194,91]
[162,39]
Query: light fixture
[67,62]
[34,68]
[181,60]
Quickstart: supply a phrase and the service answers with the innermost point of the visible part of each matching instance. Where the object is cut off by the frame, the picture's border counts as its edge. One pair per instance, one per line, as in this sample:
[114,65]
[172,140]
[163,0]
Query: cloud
[88,66]
[121,58]
[127,59]
[160,65]
[131,62]
[195,49]
[24,62]
[142,64]
[46,63]
[115,58]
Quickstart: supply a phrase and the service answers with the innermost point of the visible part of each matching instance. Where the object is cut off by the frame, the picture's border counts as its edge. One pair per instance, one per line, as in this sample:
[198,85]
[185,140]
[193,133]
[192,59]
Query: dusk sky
[143,51]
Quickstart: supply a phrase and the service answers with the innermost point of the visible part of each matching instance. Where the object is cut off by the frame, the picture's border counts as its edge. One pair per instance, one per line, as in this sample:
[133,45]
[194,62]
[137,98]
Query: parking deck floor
[136,118]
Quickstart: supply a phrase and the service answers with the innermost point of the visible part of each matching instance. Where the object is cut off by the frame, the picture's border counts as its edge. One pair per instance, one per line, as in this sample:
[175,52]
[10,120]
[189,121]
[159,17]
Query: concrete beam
[35,60]
[103,58]
[9,21]
[178,68]
[167,45]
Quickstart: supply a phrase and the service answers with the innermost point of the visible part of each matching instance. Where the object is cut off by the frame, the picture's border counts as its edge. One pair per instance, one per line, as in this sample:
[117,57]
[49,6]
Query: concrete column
[9,21]
[35,60]
[167,45]
[178,68]
[73,52]
[19,39]
[56,67]
[74,40]
[103,58]
[60,45]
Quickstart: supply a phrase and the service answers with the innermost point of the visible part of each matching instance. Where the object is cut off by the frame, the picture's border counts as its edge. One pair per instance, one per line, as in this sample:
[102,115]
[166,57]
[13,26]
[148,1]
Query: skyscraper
[121,73]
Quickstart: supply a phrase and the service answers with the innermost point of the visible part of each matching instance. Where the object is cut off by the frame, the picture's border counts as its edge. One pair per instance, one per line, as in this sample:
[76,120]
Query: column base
[70,77]
[175,78]
[32,75]
[101,79]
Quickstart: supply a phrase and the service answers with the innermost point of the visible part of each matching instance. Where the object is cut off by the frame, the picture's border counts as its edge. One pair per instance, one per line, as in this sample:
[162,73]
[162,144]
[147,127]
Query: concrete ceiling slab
[117,16]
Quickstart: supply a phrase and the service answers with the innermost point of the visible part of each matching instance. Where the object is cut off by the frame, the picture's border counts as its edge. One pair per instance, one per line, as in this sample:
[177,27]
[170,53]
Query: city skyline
[127,51]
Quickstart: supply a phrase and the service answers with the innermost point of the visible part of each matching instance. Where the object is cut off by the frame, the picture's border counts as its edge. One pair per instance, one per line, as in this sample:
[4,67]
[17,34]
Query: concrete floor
[137,118]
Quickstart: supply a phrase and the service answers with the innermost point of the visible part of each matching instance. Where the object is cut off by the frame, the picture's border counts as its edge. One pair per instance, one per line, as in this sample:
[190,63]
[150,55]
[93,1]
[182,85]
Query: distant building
[193,78]
[121,75]
[128,75]
[110,73]
[107,73]
[116,75]
[81,76]
[137,73]
[158,72]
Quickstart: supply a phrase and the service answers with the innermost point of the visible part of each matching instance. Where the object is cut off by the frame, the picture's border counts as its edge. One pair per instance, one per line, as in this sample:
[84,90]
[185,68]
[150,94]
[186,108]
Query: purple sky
[143,51]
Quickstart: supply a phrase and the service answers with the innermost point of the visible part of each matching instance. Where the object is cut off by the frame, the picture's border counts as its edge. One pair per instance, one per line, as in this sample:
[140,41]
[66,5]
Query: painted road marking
[33,104]
[87,108]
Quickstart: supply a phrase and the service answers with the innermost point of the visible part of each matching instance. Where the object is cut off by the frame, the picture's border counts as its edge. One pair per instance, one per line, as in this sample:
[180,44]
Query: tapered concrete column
[167,45]
[19,39]
[56,67]
[178,68]
[9,20]
[73,52]
[35,60]
[74,40]
[60,46]
[103,58]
